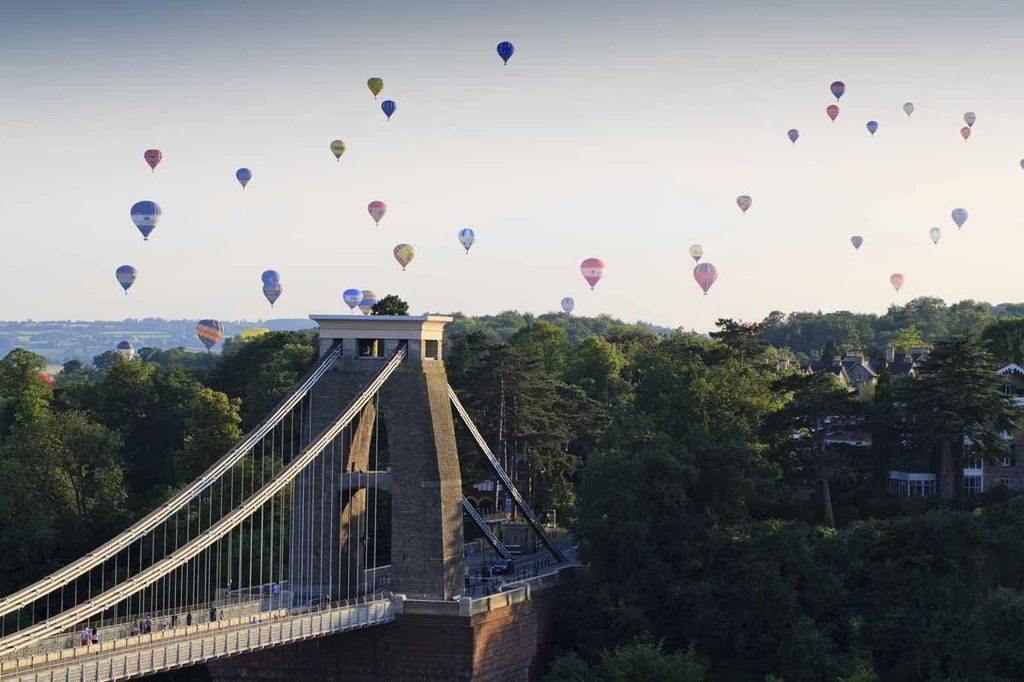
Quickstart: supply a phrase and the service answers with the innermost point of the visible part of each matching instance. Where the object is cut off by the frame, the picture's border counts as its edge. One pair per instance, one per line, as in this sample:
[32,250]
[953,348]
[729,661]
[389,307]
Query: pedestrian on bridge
[85,635]
[188,619]
[213,614]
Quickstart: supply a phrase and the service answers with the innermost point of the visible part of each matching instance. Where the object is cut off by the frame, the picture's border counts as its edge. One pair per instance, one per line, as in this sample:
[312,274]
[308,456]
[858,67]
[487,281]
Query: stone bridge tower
[425,482]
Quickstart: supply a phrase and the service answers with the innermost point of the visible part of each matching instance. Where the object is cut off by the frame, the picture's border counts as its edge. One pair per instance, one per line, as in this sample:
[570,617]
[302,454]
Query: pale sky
[620,131]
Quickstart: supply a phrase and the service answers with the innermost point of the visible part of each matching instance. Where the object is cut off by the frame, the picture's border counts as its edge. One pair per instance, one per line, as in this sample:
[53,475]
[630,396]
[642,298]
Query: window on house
[921,488]
[972,485]
[972,462]
[1005,482]
[431,350]
[1010,458]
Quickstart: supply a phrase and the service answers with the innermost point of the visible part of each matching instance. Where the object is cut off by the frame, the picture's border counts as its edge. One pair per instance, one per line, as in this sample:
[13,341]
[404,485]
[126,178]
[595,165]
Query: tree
[24,395]
[907,338]
[390,305]
[640,660]
[1005,339]
[820,404]
[957,399]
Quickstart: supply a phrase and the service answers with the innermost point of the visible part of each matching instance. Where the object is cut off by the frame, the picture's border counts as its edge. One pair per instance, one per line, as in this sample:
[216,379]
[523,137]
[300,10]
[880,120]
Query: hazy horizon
[624,133]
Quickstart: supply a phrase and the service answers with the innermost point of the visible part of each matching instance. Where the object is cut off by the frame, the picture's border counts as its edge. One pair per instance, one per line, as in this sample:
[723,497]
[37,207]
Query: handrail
[140,528]
[229,522]
[492,540]
[505,480]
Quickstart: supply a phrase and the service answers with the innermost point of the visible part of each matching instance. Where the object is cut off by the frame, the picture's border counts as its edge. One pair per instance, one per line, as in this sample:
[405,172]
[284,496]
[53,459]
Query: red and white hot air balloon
[896,280]
[592,270]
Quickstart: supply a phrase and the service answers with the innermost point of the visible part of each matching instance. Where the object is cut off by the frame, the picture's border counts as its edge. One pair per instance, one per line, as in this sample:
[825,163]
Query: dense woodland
[726,539]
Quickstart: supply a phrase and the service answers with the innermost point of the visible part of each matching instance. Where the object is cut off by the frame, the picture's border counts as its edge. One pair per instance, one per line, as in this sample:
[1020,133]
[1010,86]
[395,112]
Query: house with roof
[979,476]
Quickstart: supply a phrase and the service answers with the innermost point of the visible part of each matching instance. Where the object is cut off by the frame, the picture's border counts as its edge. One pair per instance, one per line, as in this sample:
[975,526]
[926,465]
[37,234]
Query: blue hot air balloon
[244,175]
[466,238]
[838,89]
[872,126]
[352,297]
[388,106]
[272,291]
[146,216]
[271,277]
[959,216]
[126,275]
[505,51]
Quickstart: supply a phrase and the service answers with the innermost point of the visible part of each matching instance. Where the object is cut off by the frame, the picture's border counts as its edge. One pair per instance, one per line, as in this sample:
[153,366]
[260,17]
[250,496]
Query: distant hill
[62,340]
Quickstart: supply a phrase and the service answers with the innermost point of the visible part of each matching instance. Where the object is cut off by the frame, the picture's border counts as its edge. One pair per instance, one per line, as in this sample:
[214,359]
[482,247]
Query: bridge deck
[158,651]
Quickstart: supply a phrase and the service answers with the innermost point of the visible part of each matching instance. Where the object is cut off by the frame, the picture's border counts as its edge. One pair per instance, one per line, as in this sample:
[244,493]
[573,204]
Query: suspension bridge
[341,506]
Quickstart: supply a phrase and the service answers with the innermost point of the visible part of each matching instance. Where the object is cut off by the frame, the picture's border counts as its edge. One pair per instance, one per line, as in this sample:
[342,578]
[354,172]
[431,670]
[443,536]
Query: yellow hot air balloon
[253,332]
[375,85]
[404,254]
[338,148]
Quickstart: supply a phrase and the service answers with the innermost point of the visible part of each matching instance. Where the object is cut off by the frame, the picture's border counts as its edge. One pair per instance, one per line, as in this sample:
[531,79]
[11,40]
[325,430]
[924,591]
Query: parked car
[503,567]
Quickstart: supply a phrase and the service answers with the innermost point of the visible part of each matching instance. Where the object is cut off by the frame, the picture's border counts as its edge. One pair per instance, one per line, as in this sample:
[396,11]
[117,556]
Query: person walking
[93,637]
[213,614]
[85,635]
[188,619]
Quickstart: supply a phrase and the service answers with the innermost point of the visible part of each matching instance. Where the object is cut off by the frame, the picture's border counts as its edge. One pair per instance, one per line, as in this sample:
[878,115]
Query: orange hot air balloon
[592,270]
[153,157]
[965,132]
[897,281]
[833,111]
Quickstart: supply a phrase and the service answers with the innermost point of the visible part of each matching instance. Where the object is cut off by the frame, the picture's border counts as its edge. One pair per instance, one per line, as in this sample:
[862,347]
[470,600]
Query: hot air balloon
[856,240]
[375,85]
[567,305]
[125,349]
[837,88]
[744,202]
[794,135]
[466,238]
[403,254]
[270,276]
[48,378]
[872,126]
[377,210]
[936,234]
[1022,163]
[126,275]
[352,297]
[592,270]
[970,118]
[388,107]
[146,216]
[272,291]
[153,157]
[243,175]
[965,132]
[896,280]
[908,108]
[832,110]
[209,332]
[252,333]
[505,51]
[696,252]
[337,148]
[705,275]
[959,216]
[367,301]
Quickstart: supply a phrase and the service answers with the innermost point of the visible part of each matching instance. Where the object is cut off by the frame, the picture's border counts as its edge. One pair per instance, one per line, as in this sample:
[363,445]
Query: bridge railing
[156,652]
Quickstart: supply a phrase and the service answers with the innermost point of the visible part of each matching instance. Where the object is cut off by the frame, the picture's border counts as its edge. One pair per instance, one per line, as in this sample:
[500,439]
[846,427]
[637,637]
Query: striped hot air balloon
[126,275]
[592,270]
[153,158]
[705,275]
[367,302]
[209,332]
[146,216]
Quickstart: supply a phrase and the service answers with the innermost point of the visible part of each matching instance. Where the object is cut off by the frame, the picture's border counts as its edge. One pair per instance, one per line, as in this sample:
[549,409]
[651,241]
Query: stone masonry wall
[508,644]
